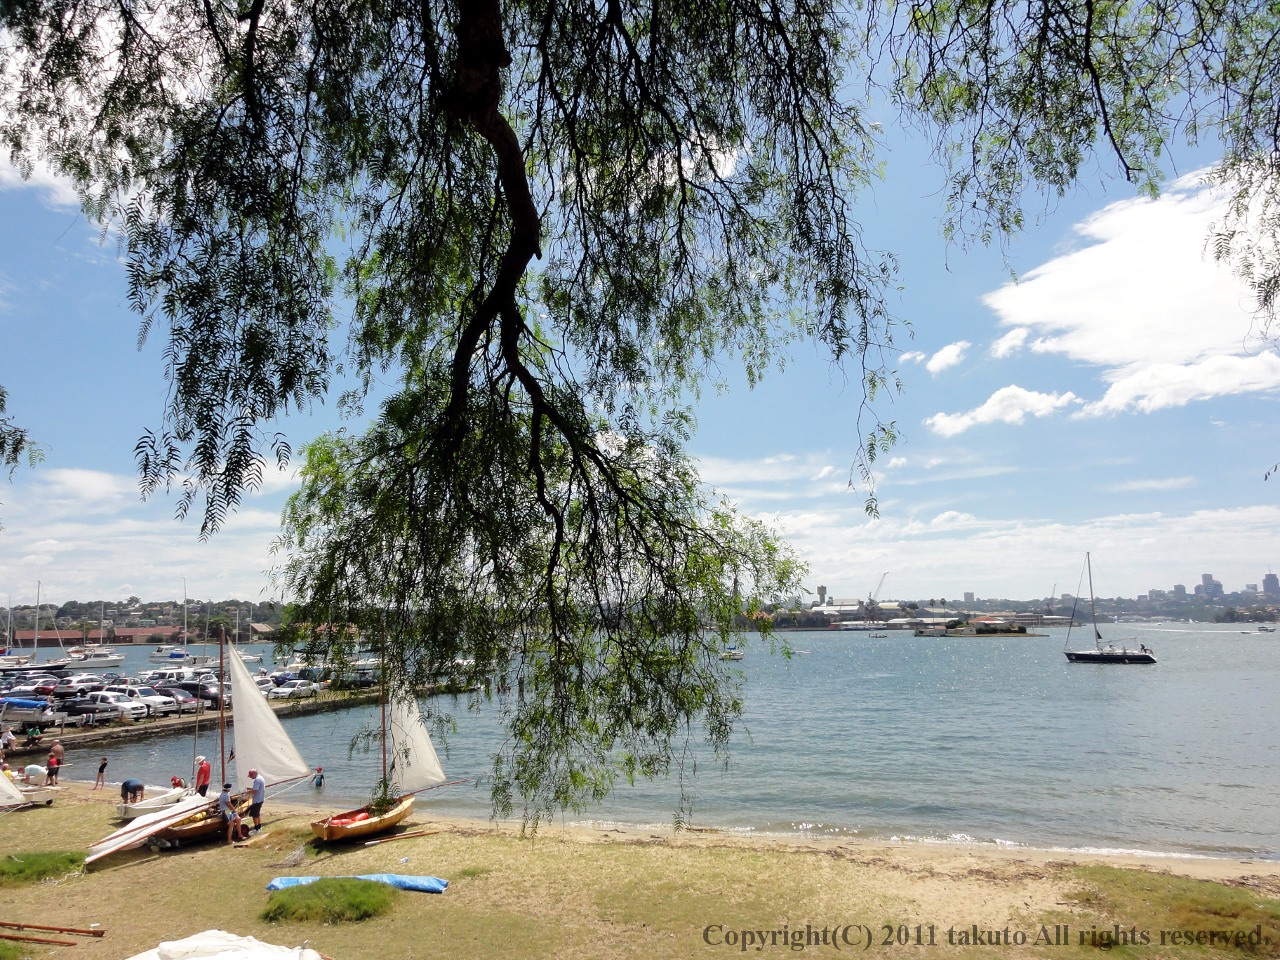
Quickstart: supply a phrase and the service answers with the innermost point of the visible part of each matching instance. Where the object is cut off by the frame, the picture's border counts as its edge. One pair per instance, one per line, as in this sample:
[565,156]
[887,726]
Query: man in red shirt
[202,776]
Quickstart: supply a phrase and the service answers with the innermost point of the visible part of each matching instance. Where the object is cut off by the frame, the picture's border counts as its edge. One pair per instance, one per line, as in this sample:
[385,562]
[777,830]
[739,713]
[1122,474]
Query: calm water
[965,739]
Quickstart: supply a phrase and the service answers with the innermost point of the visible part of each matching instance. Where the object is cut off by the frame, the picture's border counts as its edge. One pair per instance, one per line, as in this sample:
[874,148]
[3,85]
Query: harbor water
[966,739]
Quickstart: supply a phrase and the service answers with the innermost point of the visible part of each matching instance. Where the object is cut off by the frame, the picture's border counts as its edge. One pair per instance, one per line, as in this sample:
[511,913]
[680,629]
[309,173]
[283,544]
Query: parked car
[91,711]
[360,680]
[292,689]
[157,704]
[77,684]
[186,701]
[135,709]
[29,686]
[47,686]
[208,692]
[265,684]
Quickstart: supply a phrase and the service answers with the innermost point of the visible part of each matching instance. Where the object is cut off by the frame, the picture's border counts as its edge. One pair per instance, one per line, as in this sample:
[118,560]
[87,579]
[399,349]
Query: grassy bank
[609,894]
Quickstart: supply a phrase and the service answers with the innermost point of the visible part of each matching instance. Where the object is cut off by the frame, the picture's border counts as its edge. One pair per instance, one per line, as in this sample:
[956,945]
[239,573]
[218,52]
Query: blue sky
[1116,399]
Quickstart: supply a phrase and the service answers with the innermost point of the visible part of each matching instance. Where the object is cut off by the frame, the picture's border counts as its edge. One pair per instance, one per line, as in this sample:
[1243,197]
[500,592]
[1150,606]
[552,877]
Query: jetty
[121,731]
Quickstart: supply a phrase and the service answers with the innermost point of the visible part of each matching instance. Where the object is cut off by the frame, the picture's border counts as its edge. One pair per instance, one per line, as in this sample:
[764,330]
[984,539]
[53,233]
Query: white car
[157,703]
[265,684]
[292,689]
[128,708]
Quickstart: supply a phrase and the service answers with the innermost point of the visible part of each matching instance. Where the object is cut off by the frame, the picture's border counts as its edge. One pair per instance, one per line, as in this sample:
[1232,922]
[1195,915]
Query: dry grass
[571,894]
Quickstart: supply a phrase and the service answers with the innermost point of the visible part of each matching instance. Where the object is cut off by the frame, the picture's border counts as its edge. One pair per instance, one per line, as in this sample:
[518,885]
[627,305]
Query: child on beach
[101,782]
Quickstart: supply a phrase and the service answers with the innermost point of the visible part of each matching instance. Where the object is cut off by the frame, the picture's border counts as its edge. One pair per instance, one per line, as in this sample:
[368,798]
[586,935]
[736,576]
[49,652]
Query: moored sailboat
[1110,653]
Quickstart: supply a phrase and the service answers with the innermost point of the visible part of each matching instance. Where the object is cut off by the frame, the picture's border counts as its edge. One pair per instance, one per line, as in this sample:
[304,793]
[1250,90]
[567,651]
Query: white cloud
[913,356]
[1011,404]
[949,356]
[1144,486]
[1163,385]
[1180,334]
[1010,343]
[56,191]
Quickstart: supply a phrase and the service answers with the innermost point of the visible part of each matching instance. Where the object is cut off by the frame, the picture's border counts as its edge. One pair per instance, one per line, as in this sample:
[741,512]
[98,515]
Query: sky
[1098,385]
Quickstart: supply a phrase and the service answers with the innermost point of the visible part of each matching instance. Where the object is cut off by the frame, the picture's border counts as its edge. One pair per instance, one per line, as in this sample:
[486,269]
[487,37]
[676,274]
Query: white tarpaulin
[220,945]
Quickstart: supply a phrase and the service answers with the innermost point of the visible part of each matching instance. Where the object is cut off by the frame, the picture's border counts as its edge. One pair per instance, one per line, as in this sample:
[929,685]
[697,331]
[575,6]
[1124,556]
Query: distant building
[1208,587]
[1179,591]
[1270,585]
[968,596]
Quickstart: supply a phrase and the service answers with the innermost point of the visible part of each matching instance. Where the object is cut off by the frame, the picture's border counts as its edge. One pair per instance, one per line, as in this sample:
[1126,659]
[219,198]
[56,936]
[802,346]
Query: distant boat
[95,657]
[1263,628]
[1109,653]
[732,652]
[169,653]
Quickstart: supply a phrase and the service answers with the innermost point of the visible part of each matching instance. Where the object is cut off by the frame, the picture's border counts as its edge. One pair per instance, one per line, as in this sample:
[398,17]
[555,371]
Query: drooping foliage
[534,231]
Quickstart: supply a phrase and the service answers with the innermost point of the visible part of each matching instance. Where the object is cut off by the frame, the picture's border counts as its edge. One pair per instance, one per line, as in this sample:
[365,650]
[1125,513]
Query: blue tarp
[399,880]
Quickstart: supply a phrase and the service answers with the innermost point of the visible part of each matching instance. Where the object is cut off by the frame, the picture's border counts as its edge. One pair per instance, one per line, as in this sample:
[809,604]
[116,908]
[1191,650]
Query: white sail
[260,741]
[9,793]
[140,830]
[411,757]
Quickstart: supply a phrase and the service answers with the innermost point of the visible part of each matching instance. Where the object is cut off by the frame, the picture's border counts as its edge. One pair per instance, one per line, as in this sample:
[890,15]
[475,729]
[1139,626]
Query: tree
[16,444]
[551,225]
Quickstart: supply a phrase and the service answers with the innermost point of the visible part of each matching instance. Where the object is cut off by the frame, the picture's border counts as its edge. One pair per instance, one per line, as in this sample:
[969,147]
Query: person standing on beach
[51,770]
[58,751]
[202,776]
[227,808]
[101,782]
[258,796]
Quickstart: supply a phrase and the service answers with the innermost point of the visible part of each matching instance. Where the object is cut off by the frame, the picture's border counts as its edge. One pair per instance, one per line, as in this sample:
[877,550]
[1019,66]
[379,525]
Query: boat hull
[333,830]
[204,824]
[32,796]
[127,811]
[1109,656]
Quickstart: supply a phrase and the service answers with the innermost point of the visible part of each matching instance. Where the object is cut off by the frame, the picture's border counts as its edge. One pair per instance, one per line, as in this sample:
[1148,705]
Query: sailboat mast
[222,708]
[1093,612]
[35,634]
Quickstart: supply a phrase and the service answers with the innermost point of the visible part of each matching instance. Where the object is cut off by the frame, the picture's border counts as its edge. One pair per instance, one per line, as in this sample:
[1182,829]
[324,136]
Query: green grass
[17,869]
[330,900]
[13,950]
[1173,911]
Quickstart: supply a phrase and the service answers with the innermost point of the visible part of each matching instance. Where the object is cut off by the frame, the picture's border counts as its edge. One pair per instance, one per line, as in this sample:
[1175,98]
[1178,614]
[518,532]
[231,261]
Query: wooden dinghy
[358,824]
[205,824]
[409,766]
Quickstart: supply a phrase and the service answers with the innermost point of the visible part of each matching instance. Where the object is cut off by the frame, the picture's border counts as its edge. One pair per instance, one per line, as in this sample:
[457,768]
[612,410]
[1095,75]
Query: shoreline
[1194,866]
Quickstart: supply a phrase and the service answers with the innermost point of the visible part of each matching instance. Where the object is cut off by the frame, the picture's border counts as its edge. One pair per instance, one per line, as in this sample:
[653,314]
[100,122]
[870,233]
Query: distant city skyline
[1268,588]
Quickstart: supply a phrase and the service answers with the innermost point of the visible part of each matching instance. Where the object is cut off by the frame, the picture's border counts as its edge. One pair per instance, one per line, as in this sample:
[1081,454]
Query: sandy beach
[634,893]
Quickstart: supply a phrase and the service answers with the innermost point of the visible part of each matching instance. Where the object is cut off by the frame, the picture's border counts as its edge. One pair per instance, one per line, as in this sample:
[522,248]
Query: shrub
[330,900]
[21,868]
